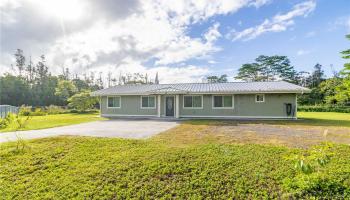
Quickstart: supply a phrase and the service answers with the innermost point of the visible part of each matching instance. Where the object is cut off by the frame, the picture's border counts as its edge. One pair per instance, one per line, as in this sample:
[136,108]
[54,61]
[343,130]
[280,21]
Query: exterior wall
[130,106]
[244,107]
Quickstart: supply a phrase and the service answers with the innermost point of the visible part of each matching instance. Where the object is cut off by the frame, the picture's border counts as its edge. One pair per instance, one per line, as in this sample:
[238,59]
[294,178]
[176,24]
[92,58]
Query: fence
[5,109]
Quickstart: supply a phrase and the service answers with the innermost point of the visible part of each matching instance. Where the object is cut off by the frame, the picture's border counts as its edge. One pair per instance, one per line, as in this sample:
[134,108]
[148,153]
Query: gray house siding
[244,106]
[130,106]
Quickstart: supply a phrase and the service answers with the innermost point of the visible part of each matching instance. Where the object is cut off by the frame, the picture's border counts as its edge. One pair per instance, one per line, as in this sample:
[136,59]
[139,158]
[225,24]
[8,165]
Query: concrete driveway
[126,128]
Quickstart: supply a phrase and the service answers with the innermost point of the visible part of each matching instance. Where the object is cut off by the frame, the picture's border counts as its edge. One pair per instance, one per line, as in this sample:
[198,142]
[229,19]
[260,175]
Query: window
[223,101]
[148,102]
[113,102]
[259,98]
[193,101]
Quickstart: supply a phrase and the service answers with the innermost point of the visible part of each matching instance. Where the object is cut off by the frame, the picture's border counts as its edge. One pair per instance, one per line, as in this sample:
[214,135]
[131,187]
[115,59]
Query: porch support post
[158,105]
[177,108]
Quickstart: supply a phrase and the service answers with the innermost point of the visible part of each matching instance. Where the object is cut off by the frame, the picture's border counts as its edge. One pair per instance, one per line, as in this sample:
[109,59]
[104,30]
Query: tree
[156,80]
[250,72]
[268,68]
[216,79]
[317,76]
[65,89]
[14,90]
[20,61]
[346,55]
[342,94]
[82,101]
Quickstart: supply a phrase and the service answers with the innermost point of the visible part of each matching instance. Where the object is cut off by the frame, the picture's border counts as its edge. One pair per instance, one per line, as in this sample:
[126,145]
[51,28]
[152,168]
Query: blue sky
[183,40]
[317,38]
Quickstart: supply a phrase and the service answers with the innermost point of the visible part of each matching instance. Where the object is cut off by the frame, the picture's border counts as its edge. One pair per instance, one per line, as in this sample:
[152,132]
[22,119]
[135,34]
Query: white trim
[165,105]
[120,102]
[256,95]
[177,107]
[212,102]
[148,96]
[125,115]
[183,102]
[236,117]
[296,107]
[158,105]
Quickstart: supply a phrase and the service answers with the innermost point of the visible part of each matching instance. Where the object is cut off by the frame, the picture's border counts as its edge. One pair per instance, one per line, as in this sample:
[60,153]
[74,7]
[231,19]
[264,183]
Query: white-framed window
[223,101]
[193,101]
[113,102]
[259,98]
[148,102]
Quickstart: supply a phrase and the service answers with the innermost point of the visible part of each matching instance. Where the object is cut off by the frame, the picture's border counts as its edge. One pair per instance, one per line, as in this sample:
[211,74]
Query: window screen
[192,101]
[148,102]
[114,102]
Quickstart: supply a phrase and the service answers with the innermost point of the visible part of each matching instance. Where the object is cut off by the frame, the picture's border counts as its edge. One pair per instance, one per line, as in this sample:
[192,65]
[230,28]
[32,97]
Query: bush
[38,112]
[53,110]
[324,108]
[3,123]
[25,110]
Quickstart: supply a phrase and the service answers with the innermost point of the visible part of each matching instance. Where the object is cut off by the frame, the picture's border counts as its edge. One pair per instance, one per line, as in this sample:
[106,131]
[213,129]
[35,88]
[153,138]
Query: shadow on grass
[300,121]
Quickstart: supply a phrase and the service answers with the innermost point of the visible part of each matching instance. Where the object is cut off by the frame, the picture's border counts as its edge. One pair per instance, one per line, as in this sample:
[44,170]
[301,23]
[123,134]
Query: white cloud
[302,52]
[340,22]
[310,34]
[146,31]
[278,23]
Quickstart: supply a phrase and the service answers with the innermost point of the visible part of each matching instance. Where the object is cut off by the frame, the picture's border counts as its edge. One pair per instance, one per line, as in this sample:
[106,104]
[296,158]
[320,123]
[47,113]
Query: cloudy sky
[183,40]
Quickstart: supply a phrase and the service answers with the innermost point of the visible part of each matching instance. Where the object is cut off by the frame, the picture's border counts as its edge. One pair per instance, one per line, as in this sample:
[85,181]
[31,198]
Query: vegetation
[48,121]
[324,108]
[33,84]
[183,163]
[82,101]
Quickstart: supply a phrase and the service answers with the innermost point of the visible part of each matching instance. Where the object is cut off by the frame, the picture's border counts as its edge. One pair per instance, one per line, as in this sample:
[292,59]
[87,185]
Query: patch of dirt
[293,135]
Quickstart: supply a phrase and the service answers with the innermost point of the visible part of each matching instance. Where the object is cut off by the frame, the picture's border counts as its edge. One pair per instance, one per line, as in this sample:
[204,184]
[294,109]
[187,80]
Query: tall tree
[14,90]
[216,79]
[65,89]
[250,72]
[20,61]
[346,55]
[317,76]
[156,80]
[30,71]
[267,68]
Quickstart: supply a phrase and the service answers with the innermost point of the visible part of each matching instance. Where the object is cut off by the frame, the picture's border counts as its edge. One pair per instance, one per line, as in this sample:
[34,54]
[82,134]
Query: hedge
[324,108]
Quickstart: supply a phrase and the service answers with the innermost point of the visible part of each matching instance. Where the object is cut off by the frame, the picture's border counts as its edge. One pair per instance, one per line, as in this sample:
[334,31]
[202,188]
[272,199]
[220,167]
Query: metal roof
[204,88]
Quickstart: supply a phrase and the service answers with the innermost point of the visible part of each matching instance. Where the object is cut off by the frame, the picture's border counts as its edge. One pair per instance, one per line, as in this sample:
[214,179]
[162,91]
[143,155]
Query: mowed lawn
[49,121]
[191,161]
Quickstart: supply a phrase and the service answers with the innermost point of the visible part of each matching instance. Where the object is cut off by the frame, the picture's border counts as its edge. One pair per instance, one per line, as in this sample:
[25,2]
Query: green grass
[304,118]
[325,118]
[166,166]
[186,162]
[49,121]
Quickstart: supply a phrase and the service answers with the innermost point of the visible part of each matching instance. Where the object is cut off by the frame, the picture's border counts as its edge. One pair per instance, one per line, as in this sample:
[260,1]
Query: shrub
[38,112]
[312,175]
[53,110]
[324,108]
[25,110]
[3,123]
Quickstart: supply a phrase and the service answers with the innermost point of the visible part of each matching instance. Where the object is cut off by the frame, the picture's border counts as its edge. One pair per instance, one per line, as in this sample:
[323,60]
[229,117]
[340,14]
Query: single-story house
[269,100]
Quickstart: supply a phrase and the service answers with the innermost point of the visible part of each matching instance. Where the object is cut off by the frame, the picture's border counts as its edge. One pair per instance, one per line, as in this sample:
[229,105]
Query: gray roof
[204,88]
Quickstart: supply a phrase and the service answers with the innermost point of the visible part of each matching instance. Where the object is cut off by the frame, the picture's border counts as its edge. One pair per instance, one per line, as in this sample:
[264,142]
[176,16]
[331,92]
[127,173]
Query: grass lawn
[49,121]
[186,162]
[325,118]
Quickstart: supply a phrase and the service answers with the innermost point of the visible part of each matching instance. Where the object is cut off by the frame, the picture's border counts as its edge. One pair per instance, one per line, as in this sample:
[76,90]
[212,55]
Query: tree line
[334,90]
[33,84]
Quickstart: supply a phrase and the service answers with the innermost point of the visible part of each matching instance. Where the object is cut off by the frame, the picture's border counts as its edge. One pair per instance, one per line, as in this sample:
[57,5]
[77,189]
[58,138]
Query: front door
[169,106]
